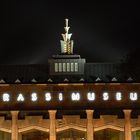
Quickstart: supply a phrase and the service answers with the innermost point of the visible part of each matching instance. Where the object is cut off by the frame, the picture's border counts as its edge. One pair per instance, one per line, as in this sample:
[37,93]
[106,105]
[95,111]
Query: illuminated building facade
[69,100]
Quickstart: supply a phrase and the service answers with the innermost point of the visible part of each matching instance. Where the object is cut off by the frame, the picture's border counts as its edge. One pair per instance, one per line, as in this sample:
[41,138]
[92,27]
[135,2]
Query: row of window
[66,67]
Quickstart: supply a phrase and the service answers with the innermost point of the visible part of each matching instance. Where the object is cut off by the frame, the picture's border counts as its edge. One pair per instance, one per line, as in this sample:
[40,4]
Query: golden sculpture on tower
[66,43]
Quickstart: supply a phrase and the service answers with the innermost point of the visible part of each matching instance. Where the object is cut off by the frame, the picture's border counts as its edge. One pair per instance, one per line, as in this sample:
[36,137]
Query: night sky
[102,32]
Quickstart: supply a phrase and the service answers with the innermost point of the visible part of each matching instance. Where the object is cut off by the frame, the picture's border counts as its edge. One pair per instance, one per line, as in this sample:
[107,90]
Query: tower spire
[66,43]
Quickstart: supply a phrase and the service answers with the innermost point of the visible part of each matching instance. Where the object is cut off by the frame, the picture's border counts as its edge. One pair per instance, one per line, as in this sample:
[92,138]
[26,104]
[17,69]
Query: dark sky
[102,31]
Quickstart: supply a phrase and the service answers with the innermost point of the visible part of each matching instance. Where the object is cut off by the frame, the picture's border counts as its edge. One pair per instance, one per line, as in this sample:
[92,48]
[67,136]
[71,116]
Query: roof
[94,72]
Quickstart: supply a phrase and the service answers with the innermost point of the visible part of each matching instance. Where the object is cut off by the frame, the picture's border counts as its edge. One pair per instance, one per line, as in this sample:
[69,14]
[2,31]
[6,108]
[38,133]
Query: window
[108,134]
[56,67]
[68,67]
[64,67]
[72,67]
[76,67]
[71,134]
[60,67]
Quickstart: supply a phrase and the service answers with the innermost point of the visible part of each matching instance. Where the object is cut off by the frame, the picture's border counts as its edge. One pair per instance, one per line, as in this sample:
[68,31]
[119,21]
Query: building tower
[66,43]
[67,63]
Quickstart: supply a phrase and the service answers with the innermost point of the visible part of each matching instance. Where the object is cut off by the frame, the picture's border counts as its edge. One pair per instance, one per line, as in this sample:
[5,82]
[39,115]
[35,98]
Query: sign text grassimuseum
[69,96]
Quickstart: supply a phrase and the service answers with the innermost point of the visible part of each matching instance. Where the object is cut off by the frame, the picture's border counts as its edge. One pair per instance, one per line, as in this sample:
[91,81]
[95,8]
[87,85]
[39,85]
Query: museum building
[69,99]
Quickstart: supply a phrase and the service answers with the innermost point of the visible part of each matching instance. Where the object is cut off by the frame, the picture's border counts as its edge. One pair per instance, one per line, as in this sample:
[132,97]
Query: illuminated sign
[34,97]
[6,97]
[74,96]
[20,97]
[133,96]
[69,96]
[118,96]
[91,96]
[48,96]
[105,96]
[60,97]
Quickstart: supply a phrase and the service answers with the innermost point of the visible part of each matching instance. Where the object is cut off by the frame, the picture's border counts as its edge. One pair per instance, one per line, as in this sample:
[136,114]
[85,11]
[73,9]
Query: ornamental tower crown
[66,43]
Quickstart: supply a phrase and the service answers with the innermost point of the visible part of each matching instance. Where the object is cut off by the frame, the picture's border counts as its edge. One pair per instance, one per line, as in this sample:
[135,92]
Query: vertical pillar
[127,114]
[14,134]
[52,114]
[90,130]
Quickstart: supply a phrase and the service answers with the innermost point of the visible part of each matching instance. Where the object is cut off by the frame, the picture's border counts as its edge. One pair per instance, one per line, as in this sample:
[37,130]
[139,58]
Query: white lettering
[20,97]
[48,96]
[34,97]
[75,96]
[118,96]
[6,97]
[60,96]
[133,96]
[91,96]
[105,96]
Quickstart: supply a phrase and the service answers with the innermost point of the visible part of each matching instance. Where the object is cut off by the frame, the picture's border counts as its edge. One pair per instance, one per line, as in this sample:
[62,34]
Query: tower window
[68,67]
[60,67]
[56,67]
[76,67]
[72,67]
[64,67]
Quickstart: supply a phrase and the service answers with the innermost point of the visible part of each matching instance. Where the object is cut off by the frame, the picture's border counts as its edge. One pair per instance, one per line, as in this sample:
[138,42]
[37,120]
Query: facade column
[14,135]
[90,130]
[128,134]
[52,115]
